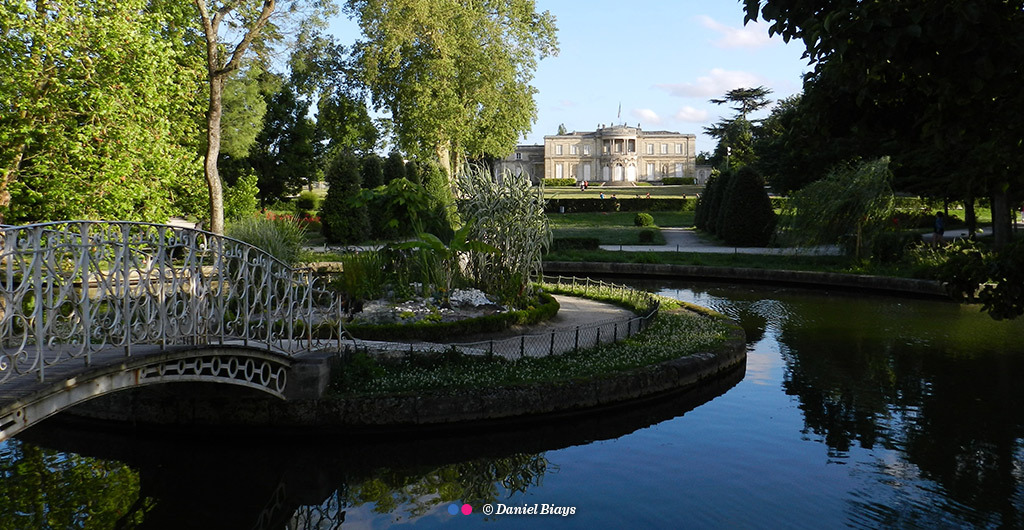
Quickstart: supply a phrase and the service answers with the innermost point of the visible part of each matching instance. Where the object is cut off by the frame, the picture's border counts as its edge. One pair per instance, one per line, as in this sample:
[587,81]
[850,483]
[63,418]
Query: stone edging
[804,278]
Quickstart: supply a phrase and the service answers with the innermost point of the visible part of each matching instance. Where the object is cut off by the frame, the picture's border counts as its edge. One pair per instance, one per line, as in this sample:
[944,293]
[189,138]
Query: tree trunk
[1000,217]
[445,160]
[213,184]
[970,217]
[9,176]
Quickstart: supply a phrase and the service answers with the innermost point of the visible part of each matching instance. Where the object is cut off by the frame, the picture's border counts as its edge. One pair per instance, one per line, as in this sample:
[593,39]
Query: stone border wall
[910,286]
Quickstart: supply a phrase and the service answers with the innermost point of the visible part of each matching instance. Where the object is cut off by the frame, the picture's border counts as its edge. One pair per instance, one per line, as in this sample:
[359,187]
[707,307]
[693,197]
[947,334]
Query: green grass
[752,261]
[616,219]
[665,192]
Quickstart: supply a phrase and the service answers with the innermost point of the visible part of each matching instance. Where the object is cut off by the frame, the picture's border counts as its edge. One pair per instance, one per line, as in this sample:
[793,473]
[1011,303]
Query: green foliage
[244,109]
[344,218]
[715,193]
[747,219]
[672,181]
[645,236]
[278,237]
[643,219]
[307,200]
[443,215]
[284,156]
[400,209]
[442,264]
[463,90]
[372,171]
[893,246]
[560,182]
[575,243]
[240,200]
[543,308]
[46,489]
[100,105]
[394,167]
[508,215]
[994,279]
[854,200]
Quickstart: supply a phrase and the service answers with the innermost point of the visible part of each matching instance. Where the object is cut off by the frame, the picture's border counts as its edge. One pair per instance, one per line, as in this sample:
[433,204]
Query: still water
[852,411]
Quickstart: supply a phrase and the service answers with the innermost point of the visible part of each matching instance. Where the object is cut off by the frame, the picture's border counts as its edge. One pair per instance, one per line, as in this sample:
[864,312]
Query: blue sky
[661,59]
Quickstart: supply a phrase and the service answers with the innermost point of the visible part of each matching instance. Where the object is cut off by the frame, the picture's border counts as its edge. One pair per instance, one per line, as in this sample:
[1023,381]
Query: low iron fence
[556,341]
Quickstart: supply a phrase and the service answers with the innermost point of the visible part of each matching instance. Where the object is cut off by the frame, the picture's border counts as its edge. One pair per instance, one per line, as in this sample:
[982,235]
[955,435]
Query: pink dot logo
[467,509]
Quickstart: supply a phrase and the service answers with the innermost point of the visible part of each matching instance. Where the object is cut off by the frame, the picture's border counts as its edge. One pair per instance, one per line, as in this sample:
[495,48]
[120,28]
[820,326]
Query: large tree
[455,74]
[935,84]
[98,109]
[736,135]
[248,20]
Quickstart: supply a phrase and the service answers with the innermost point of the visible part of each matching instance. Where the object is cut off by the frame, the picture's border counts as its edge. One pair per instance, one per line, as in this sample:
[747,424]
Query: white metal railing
[71,289]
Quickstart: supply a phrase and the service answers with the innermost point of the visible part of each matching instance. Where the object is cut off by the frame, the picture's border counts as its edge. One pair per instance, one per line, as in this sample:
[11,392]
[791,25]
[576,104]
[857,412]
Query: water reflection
[931,385]
[196,481]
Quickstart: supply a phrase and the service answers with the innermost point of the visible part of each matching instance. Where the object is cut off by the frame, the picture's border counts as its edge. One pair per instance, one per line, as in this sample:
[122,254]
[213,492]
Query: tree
[562,130]
[284,157]
[249,19]
[854,200]
[735,135]
[933,84]
[394,167]
[344,220]
[371,171]
[454,74]
[97,111]
[747,216]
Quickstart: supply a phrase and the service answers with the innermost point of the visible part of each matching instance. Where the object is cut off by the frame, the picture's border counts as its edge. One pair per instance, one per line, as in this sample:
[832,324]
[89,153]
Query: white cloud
[690,114]
[646,116]
[752,35]
[718,82]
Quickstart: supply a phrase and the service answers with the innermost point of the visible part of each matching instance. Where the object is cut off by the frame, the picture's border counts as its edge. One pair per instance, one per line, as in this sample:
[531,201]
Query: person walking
[939,229]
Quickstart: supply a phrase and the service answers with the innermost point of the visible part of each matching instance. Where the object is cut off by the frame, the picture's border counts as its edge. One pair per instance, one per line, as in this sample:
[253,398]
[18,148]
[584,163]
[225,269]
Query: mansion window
[519,156]
[650,170]
[586,149]
[679,149]
[664,149]
[558,149]
[650,149]
[573,150]
[558,171]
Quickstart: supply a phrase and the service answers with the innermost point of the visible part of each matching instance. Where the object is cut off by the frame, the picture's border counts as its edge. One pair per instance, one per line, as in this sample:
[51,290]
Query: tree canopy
[455,75]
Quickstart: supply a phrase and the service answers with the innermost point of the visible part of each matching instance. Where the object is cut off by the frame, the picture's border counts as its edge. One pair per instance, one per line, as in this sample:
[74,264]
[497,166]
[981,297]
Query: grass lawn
[663,192]
[614,228]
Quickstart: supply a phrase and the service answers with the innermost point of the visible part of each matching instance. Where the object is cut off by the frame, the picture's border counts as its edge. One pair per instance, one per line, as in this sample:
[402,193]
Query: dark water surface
[852,411]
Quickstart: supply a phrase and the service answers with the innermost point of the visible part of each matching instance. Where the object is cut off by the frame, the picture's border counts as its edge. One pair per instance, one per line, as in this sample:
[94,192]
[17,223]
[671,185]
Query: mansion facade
[609,154]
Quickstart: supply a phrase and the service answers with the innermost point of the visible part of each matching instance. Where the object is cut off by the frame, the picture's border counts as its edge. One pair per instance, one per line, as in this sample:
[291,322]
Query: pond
[852,410]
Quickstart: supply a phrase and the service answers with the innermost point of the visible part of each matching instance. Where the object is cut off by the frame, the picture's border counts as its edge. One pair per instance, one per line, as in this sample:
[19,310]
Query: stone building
[616,153]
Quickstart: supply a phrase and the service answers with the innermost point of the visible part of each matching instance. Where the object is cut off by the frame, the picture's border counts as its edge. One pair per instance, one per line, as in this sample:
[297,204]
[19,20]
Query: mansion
[609,154]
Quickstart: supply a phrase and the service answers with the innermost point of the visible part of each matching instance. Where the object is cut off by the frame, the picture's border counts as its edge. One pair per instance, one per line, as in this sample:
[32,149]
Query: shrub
[645,236]
[643,219]
[890,247]
[746,217]
[240,200]
[278,237]
[670,181]
[560,182]
[306,201]
[344,221]
[372,171]
[394,167]
[575,243]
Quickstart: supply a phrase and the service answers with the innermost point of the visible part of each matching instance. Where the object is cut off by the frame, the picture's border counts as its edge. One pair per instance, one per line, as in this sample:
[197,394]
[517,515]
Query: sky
[661,60]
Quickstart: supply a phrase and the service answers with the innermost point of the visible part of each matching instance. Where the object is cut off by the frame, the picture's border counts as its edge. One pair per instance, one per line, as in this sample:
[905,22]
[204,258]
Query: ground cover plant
[675,333]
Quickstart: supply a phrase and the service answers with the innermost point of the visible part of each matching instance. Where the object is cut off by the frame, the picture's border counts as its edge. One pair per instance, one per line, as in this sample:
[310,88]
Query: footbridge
[90,307]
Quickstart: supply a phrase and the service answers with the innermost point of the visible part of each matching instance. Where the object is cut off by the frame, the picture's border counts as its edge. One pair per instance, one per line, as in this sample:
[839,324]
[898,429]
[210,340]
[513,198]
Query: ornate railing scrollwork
[71,289]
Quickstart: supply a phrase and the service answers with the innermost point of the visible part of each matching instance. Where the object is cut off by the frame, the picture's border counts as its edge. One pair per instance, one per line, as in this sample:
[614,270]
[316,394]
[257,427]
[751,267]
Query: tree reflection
[47,489]
[957,419]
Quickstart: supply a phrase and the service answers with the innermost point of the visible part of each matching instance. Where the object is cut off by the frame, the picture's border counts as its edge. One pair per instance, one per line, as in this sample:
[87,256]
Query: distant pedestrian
[939,228]
[602,194]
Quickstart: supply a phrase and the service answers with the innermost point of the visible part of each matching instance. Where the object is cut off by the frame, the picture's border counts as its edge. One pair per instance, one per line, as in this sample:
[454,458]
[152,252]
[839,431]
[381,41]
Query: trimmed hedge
[575,243]
[643,219]
[607,204]
[560,182]
[444,331]
[671,181]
